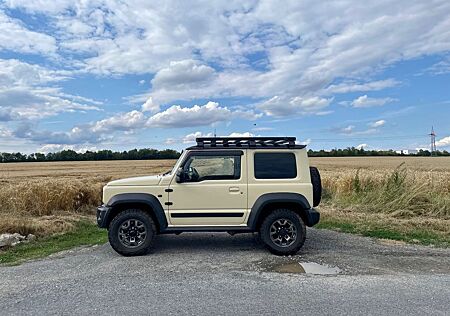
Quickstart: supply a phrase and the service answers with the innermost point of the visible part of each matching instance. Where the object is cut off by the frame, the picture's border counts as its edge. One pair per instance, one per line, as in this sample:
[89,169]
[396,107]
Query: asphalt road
[221,274]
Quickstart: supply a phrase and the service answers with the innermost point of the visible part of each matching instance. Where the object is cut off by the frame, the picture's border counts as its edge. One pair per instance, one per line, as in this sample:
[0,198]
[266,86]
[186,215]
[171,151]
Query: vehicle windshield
[183,153]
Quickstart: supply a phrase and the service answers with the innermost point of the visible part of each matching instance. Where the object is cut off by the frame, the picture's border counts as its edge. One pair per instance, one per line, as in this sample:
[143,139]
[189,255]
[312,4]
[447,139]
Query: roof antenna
[215,135]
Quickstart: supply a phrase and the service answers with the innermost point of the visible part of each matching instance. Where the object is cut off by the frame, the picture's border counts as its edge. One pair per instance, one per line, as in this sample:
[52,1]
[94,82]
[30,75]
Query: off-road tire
[295,220]
[317,185]
[133,214]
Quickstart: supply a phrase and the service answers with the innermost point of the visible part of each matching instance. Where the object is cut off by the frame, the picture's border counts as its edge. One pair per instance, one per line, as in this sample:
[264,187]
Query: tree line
[149,153]
[353,151]
[71,155]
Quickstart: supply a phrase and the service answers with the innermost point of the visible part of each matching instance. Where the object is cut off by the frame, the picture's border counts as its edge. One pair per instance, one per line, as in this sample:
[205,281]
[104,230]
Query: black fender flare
[282,197]
[141,198]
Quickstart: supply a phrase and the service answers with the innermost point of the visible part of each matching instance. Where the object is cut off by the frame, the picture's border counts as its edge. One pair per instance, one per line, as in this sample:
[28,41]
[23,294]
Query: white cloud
[347,130]
[440,68]
[190,138]
[361,146]
[171,141]
[150,106]
[351,130]
[378,123]
[24,92]
[239,134]
[374,127]
[7,114]
[443,142]
[366,102]
[177,116]
[282,106]
[36,103]
[241,114]
[124,122]
[190,79]
[4,132]
[14,72]
[129,123]
[353,86]
[16,37]
[342,41]
[58,147]
[52,7]
[303,142]
[76,136]
[181,74]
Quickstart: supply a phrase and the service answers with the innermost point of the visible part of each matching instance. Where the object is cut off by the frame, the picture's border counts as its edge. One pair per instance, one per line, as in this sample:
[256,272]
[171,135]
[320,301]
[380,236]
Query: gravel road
[222,274]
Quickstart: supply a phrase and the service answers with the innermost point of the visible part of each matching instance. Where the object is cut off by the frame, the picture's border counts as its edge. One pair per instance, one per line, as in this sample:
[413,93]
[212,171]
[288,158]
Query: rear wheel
[283,232]
[131,232]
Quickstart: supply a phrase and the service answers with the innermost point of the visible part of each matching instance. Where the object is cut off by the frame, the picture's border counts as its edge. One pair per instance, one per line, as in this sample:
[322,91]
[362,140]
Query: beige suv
[234,185]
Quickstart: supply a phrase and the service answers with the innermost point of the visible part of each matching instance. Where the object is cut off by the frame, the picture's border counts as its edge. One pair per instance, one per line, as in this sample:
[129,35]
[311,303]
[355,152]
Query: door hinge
[168,203]
[168,190]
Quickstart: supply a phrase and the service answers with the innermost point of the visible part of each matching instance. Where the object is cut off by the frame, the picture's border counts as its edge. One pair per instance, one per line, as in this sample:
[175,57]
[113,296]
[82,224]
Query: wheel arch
[143,201]
[271,201]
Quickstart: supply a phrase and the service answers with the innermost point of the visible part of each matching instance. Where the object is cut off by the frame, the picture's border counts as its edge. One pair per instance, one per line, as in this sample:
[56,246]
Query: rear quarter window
[275,166]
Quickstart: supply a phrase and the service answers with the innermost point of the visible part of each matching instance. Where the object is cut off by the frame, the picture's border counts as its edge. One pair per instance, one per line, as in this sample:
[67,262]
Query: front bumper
[102,215]
[312,217]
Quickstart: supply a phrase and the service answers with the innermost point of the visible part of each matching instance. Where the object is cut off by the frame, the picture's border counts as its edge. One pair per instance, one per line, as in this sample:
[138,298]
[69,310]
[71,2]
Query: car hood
[136,181]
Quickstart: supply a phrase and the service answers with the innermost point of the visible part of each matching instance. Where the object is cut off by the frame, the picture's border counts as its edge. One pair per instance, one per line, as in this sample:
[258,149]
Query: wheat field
[409,192]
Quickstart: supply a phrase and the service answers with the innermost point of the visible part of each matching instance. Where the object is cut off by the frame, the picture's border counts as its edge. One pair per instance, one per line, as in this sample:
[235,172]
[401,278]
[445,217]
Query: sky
[91,75]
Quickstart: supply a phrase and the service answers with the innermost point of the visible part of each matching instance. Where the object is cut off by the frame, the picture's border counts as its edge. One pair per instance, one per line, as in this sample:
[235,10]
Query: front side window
[199,168]
[275,166]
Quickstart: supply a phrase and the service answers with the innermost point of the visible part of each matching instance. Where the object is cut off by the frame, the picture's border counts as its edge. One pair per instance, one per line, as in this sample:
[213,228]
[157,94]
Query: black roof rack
[246,142]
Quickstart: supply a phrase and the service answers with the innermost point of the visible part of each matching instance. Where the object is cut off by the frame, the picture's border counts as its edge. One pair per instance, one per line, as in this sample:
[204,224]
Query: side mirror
[179,176]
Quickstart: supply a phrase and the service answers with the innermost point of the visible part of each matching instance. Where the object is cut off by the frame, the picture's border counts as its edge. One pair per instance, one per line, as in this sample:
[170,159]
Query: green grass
[376,230]
[85,233]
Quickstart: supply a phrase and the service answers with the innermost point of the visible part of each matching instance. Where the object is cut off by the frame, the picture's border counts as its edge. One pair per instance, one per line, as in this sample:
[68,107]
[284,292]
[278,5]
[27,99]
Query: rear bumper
[312,217]
[102,215]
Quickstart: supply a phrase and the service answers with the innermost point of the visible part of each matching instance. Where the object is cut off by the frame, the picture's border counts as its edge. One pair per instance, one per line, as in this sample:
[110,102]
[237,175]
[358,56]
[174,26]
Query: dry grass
[435,164]
[400,192]
[47,198]
[408,195]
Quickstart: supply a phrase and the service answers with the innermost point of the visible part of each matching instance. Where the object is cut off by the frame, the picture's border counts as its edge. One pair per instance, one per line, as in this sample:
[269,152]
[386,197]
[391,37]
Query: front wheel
[283,232]
[131,232]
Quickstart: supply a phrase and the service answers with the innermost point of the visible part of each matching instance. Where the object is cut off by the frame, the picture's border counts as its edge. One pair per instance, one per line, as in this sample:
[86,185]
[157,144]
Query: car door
[212,189]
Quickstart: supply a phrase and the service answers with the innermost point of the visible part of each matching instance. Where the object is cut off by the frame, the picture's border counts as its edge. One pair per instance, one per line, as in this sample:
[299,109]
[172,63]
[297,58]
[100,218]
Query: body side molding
[206,214]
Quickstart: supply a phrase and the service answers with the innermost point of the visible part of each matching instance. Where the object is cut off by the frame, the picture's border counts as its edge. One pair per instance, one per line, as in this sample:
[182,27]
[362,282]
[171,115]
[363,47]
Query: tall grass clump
[46,206]
[49,197]
[399,192]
